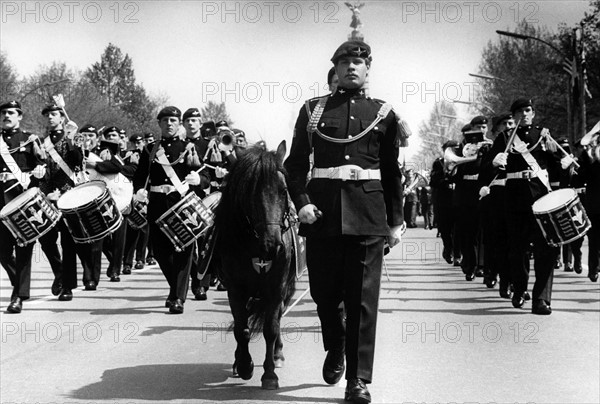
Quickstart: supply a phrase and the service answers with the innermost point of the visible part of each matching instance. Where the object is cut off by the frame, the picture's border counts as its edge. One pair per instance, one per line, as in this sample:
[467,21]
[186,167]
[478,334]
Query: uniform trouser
[594,244]
[50,249]
[496,246]
[92,261]
[114,249]
[427,211]
[135,244]
[197,269]
[69,256]
[572,250]
[347,269]
[445,221]
[410,213]
[467,229]
[522,229]
[17,265]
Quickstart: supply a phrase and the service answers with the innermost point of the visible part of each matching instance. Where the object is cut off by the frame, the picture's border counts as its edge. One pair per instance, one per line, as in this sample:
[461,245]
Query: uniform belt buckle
[527,175]
[353,174]
[4,177]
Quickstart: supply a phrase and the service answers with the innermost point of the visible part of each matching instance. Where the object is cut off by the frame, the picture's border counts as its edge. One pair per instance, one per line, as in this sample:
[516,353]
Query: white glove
[135,158]
[566,162]
[193,178]
[500,160]
[39,171]
[308,214]
[395,235]
[484,191]
[54,195]
[141,195]
[221,172]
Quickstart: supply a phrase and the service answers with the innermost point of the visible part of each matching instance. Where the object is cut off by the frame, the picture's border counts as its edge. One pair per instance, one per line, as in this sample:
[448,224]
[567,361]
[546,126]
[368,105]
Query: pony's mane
[254,173]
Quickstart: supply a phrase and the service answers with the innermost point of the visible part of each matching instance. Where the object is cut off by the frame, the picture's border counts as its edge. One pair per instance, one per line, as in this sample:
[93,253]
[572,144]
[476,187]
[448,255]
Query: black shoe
[593,276]
[526,296]
[456,262]
[505,293]
[577,268]
[176,307]
[568,268]
[479,273]
[15,306]
[139,265]
[201,294]
[221,287]
[470,276]
[357,392]
[56,287]
[333,367]
[557,264]
[115,278]
[447,256]
[168,303]
[66,295]
[490,282]
[127,270]
[91,285]
[517,301]
[541,307]
[150,261]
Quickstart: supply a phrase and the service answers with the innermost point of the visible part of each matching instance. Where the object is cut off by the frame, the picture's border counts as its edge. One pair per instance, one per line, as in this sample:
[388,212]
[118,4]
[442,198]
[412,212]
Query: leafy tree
[215,111]
[9,83]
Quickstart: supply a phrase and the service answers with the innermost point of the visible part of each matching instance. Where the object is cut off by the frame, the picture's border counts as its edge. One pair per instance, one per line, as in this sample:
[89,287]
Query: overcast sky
[263,59]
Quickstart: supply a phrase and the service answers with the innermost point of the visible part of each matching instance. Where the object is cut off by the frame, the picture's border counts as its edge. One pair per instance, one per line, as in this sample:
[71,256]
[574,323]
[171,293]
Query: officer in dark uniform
[351,204]
[149,139]
[166,168]
[14,142]
[442,194]
[526,181]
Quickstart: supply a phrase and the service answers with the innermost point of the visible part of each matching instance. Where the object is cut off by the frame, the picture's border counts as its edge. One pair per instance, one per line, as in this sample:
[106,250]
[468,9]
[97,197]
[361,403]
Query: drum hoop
[45,231]
[99,236]
[7,212]
[90,203]
[575,198]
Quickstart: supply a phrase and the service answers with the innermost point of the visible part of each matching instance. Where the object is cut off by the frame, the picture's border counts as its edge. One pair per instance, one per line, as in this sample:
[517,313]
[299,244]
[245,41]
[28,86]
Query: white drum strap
[171,174]
[533,164]
[59,160]
[12,165]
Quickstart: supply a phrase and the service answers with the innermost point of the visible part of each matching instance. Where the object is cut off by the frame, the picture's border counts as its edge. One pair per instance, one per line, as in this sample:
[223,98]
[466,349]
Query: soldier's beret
[169,111]
[520,103]
[479,120]
[148,135]
[109,129]
[221,124]
[473,136]
[352,48]
[208,129]
[52,107]
[88,128]
[12,104]
[497,120]
[466,128]
[122,132]
[135,138]
[191,113]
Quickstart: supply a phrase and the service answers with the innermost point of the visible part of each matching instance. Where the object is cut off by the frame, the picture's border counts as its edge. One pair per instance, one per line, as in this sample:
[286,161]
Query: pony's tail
[257,313]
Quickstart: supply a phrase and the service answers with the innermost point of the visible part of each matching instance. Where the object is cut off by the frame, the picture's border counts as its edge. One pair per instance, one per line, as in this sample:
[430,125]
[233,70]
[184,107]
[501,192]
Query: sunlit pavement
[440,339]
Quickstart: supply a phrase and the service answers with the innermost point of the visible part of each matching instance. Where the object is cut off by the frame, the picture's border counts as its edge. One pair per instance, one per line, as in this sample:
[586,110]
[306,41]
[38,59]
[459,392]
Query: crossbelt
[527,174]
[163,189]
[7,176]
[498,181]
[471,177]
[346,173]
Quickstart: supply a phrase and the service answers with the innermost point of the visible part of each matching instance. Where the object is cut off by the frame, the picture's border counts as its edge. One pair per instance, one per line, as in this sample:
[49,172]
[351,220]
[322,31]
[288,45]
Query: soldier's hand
[193,178]
[141,195]
[395,235]
[500,160]
[39,171]
[567,161]
[309,214]
[54,195]
[135,158]
[220,172]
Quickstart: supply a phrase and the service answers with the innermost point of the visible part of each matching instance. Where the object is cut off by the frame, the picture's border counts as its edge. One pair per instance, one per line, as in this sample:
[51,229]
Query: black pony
[253,241]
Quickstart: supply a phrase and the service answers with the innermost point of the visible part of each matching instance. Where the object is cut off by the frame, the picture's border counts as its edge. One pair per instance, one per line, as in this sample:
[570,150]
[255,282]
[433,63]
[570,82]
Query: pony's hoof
[244,372]
[279,362]
[270,384]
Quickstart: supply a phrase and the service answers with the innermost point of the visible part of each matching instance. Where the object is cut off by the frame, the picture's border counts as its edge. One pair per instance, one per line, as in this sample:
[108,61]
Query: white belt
[580,190]
[163,189]
[346,173]
[555,184]
[499,181]
[7,176]
[471,177]
[527,174]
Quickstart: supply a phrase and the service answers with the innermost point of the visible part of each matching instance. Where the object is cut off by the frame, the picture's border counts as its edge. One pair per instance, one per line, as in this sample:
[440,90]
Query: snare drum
[90,212]
[561,217]
[188,219]
[29,216]
[137,216]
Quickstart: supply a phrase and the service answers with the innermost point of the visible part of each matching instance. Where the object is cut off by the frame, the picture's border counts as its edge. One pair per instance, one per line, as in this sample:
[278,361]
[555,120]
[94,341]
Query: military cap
[12,104]
[191,113]
[109,129]
[148,135]
[135,138]
[122,132]
[239,132]
[520,103]
[169,111]
[221,124]
[88,128]
[466,128]
[450,143]
[208,129]
[479,120]
[473,136]
[497,120]
[52,107]
[353,48]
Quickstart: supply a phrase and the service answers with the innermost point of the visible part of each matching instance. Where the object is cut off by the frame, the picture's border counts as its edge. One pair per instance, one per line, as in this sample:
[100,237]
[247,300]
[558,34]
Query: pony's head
[255,203]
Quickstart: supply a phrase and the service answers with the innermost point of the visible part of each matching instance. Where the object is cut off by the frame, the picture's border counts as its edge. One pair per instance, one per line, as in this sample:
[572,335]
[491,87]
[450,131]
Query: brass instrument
[470,152]
[226,140]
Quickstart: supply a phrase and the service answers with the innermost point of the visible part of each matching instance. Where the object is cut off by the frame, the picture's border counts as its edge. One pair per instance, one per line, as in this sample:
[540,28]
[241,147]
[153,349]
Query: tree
[215,112]
[8,78]
[439,128]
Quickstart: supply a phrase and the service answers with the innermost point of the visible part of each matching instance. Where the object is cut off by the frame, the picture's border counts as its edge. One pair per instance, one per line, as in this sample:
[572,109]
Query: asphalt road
[440,339]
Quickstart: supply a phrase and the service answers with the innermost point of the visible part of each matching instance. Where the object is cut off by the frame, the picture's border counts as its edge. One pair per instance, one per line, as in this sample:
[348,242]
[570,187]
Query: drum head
[18,201]
[81,195]
[212,200]
[554,200]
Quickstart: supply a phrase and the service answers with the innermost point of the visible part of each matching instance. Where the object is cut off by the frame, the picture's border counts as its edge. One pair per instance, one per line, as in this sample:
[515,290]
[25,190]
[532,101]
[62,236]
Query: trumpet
[226,140]
[470,152]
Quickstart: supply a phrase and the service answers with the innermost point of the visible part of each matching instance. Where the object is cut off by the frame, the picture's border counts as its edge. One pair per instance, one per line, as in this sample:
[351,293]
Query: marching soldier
[162,170]
[149,139]
[17,162]
[527,180]
[351,204]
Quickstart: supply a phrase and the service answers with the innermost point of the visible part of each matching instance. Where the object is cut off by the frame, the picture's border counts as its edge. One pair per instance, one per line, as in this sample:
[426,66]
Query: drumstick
[198,171]
[559,147]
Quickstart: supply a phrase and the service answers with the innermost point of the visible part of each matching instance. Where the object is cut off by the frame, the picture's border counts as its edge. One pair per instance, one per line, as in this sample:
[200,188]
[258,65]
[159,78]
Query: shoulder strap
[49,146]
[171,174]
[12,165]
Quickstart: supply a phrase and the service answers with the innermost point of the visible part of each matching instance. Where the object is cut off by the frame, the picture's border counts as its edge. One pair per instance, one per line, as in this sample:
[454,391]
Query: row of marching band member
[498,198]
[79,184]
